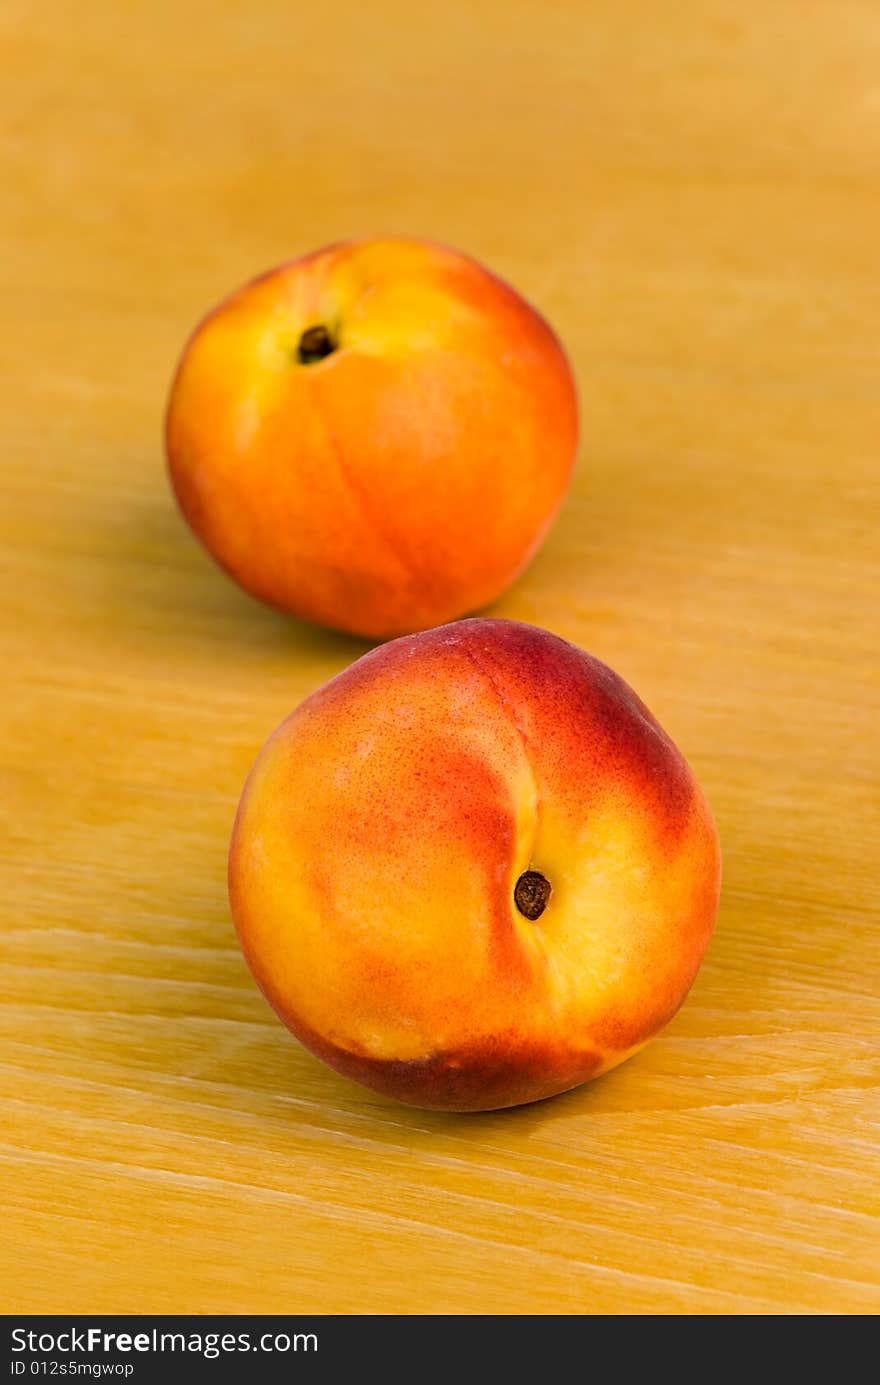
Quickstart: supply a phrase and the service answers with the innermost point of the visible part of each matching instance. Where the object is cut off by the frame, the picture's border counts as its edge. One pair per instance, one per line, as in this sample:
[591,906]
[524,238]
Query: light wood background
[690,192]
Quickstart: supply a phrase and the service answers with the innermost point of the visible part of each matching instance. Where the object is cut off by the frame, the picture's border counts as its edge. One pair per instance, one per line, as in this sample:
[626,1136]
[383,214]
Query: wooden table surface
[690,193]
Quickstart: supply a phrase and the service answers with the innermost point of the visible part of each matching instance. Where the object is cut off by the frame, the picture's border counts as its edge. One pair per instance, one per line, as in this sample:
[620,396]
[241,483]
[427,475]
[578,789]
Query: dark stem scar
[531,893]
[314,344]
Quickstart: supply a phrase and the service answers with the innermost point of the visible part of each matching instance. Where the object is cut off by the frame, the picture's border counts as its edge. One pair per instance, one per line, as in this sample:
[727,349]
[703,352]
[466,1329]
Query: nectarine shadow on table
[146,537]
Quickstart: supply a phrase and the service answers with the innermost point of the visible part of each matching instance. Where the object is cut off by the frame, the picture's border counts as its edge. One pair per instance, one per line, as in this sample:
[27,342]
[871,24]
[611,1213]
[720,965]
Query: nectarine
[375,437]
[472,870]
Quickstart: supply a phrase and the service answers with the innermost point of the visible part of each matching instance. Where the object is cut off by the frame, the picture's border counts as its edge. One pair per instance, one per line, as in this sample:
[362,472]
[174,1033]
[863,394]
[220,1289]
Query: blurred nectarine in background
[472,870]
[375,437]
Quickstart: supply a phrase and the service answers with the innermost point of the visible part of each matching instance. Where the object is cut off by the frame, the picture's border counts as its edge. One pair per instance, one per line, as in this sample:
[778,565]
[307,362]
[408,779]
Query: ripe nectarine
[375,437]
[472,870]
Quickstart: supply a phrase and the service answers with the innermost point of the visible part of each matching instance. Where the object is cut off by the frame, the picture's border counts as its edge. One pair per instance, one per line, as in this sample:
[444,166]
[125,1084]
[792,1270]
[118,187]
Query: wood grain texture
[690,193]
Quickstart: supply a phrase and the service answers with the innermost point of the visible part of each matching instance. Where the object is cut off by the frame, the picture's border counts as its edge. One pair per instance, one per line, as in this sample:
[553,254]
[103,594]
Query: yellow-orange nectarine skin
[401,481]
[380,837]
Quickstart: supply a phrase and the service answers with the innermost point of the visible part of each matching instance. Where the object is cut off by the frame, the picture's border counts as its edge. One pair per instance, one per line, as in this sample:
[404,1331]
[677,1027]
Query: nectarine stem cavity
[531,894]
[314,344]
